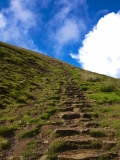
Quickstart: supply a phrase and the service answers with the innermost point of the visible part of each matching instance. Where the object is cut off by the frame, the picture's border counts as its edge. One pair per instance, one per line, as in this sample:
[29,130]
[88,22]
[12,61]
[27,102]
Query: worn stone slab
[44,157]
[79,156]
[85,115]
[69,115]
[86,155]
[64,109]
[66,132]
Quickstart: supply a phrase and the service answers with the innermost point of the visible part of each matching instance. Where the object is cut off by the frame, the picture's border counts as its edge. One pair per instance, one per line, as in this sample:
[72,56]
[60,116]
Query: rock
[66,109]
[11,158]
[76,109]
[69,115]
[46,142]
[107,144]
[66,132]
[73,143]
[90,124]
[73,125]
[21,157]
[85,155]
[43,157]
[78,121]
[86,115]
[71,131]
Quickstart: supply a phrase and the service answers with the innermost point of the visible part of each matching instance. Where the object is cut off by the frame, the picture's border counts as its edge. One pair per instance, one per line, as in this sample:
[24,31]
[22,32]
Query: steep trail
[45,115]
[81,137]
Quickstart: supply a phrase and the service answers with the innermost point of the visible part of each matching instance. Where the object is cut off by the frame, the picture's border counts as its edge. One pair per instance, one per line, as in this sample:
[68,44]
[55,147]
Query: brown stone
[69,115]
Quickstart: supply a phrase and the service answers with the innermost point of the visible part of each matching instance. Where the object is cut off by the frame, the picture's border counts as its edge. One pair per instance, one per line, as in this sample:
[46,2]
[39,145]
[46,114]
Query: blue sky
[84,33]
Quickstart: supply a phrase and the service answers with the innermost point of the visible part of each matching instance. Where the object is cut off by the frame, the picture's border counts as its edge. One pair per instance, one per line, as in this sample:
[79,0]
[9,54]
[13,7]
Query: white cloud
[2,21]
[21,12]
[16,23]
[100,51]
[67,24]
[69,31]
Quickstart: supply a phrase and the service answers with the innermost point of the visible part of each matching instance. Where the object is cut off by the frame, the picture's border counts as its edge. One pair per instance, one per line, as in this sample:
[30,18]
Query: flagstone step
[81,105]
[69,115]
[87,142]
[85,115]
[87,155]
[71,102]
[76,109]
[90,124]
[81,119]
[64,109]
[70,131]
[75,122]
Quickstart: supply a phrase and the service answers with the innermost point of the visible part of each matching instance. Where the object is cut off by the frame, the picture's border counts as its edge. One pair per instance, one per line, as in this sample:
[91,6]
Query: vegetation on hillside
[32,90]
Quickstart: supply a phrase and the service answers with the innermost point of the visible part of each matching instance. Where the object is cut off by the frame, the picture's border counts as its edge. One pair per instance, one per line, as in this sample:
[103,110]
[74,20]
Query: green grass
[29,152]
[108,87]
[52,110]
[7,131]
[105,97]
[33,88]
[54,148]
[45,116]
[104,157]
[97,133]
[4,143]
[30,133]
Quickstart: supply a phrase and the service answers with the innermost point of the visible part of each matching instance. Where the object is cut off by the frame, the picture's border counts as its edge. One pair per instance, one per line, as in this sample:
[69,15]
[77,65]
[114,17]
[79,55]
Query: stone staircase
[83,138]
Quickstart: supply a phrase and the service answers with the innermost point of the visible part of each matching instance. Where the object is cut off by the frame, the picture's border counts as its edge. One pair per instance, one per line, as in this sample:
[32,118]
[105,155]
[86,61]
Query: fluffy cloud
[16,23]
[69,31]
[100,51]
[67,24]
[2,21]
[55,23]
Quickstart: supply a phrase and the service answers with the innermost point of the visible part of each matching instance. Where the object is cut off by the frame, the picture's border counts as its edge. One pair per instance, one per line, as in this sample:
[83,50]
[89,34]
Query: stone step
[81,119]
[69,115]
[87,142]
[85,109]
[64,109]
[43,157]
[107,144]
[75,122]
[76,109]
[80,97]
[81,142]
[72,125]
[74,90]
[70,131]
[80,105]
[75,95]
[93,132]
[85,115]
[71,102]
[87,155]
[90,124]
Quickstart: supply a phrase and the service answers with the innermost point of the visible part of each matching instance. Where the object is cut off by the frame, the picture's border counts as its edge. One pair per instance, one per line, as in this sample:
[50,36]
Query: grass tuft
[7,131]
[97,133]
[4,143]
[55,147]
[108,87]
[30,133]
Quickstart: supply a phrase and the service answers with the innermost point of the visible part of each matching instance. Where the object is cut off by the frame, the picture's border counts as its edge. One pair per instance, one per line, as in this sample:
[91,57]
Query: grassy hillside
[33,90]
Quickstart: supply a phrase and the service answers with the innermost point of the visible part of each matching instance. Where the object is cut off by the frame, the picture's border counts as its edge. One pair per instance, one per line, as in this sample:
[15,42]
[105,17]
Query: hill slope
[52,110]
